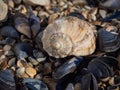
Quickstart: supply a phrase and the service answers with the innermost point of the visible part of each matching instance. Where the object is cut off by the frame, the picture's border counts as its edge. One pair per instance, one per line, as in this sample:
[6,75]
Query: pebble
[70,87]
[30,71]
[25,75]
[21,63]
[7,47]
[39,76]
[12,61]
[20,71]
[77,86]
[3,65]
[102,13]
[13,68]
[2,57]
[33,60]
[47,68]
[9,53]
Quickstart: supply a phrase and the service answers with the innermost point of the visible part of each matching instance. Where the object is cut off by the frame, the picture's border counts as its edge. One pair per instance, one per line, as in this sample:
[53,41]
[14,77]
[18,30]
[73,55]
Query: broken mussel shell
[108,41]
[101,67]
[69,36]
[7,81]
[9,31]
[110,4]
[22,24]
[3,10]
[67,67]
[23,50]
[34,84]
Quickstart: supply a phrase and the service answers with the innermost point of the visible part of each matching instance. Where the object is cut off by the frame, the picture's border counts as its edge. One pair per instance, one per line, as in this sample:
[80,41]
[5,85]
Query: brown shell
[69,36]
[22,25]
[3,10]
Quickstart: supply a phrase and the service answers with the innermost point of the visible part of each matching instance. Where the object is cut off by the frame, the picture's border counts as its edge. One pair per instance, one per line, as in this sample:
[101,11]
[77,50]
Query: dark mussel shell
[63,82]
[9,31]
[34,21]
[8,40]
[23,50]
[115,87]
[110,4]
[80,73]
[34,84]
[67,67]
[35,24]
[89,82]
[7,81]
[109,60]
[38,40]
[115,15]
[22,24]
[99,69]
[108,41]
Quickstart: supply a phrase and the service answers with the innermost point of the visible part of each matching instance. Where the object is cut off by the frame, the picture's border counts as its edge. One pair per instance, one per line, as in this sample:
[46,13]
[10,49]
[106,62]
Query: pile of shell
[59,45]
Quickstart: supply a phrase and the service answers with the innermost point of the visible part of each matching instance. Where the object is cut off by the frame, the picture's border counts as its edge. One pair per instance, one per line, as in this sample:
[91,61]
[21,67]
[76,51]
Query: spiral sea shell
[69,36]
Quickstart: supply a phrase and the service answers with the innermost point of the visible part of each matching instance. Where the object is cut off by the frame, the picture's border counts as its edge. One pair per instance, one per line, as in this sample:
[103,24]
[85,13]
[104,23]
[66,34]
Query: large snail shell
[69,36]
[3,10]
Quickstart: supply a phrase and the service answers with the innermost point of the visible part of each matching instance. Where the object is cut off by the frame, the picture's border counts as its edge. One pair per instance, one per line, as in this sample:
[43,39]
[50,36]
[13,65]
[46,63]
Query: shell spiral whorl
[61,45]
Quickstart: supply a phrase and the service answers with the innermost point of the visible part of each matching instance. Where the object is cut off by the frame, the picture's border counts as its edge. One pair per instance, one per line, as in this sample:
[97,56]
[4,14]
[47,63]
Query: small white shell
[69,36]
